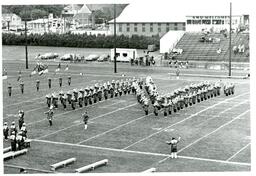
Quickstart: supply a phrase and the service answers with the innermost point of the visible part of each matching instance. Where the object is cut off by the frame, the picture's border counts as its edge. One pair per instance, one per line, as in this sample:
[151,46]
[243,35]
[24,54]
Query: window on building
[206,21]
[175,24]
[135,29]
[196,22]
[120,28]
[167,24]
[151,29]
[189,21]
[128,29]
[159,29]
[167,29]
[175,28]
[127,24]
[216,21]
[143,29]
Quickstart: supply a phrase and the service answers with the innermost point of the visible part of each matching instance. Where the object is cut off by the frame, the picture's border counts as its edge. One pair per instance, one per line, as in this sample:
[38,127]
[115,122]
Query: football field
[215,133]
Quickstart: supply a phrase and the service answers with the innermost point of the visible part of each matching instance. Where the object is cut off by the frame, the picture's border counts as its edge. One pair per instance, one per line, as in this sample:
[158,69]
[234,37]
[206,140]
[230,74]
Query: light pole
[115,70]
[230,30]
[26,44]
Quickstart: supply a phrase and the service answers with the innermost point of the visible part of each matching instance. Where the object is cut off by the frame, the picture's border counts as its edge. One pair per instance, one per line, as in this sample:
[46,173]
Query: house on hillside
[83,16]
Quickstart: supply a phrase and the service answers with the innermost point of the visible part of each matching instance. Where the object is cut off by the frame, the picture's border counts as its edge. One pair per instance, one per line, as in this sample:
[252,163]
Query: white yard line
[238,152]
[102,115]
[185,119]
[225,124]
[31,110]
[216,116]
[139,152]
[113,129]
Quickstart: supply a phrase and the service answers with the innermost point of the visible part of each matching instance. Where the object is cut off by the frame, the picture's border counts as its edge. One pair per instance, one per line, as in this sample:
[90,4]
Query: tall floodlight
[115,70]
[230,31]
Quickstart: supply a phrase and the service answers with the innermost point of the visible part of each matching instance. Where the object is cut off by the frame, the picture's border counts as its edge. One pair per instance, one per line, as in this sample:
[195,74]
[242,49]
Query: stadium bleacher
[193,49]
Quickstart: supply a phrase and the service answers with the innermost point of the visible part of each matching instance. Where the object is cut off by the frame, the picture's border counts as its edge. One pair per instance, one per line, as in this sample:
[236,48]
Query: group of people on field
[17,138]
[179,98]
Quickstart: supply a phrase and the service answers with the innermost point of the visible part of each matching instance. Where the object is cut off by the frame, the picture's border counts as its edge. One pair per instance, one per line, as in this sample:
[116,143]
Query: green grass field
[215,134]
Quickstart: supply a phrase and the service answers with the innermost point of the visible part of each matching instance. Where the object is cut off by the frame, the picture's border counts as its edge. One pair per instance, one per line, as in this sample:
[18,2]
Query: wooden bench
[92,166]
[150,170]
[62,163]
[14,154]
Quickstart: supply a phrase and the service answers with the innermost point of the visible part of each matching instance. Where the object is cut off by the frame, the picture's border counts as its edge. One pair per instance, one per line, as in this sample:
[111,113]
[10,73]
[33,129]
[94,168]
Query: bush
[80,40]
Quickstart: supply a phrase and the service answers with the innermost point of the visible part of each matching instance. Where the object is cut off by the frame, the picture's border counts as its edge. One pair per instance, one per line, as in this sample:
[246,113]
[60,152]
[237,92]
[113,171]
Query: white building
[159,18]
[11,19]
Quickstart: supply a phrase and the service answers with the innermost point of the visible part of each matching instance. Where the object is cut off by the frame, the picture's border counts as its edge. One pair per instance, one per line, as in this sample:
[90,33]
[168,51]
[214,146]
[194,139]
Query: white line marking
[102,115]
[113,129]
[26,112]
[138,152]
[238,152]
[184,120]
[121,101]
[221,113]
[70,111]
[206,135]
[225,124]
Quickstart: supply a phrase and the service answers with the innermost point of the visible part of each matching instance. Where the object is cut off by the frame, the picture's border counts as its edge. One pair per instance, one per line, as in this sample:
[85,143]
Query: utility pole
[230,31]
[115,70]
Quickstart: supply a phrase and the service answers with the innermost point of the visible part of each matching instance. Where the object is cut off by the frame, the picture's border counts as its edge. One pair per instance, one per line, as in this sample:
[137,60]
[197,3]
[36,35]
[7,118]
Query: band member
[22,87]
[69,80]
[73,102]
[6,131]
[60,81]
[13,141]
[49,83]
[173,143]
[9,89]
[21,118]
[37,85]
[13,128]
[85,119]
[50,115]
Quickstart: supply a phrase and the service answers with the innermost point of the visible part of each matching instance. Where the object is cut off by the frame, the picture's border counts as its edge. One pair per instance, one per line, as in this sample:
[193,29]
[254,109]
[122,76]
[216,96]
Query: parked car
[47,56]
[92,57]
[103,58]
